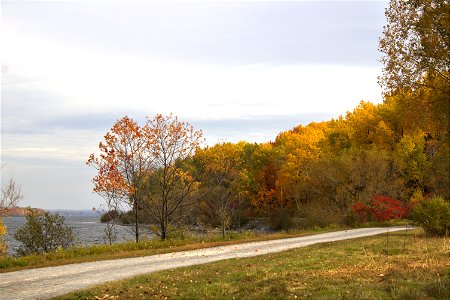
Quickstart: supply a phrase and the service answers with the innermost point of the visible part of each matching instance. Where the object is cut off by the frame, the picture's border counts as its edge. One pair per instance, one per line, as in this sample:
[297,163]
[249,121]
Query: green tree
[44,233]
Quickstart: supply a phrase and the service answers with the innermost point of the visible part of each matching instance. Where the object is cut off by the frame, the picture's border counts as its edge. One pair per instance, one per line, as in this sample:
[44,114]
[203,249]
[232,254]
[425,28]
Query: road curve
[53,281]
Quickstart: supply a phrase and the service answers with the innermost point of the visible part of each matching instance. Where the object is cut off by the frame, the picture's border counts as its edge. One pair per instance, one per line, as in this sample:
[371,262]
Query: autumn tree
[142,166]
[299,146]
[425,109]
[415,43]
[170,186]
[330,180]
[125,158]
[354,176]
[412,161]
[438,156]
[221,169]
[3,247]
[416,76]
[267,160]
[11,194]
[337,136]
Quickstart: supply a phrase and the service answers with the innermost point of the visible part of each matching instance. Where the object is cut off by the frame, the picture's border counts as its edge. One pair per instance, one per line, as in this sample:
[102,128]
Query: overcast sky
[237,70]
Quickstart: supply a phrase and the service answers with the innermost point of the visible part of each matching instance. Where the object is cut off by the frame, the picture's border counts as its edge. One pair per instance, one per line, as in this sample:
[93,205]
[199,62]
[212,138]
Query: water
[87,229]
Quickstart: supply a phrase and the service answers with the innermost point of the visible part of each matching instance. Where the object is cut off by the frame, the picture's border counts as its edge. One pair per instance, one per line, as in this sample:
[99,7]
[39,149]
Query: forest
[372,164]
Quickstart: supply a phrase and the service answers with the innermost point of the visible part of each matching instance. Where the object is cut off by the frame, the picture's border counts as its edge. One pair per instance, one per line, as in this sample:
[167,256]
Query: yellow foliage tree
[3,246]
[223,177]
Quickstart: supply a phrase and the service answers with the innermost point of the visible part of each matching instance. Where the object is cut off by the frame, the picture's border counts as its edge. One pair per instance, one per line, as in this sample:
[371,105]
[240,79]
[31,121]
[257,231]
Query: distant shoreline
[17,211]
[76,212]
[24,211]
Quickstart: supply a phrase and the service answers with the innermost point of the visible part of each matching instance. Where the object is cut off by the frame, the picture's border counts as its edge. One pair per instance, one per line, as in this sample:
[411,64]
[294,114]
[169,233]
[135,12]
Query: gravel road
[53,281]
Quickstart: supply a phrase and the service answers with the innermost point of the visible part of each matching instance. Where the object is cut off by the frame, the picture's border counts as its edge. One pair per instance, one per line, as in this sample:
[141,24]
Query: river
[87,229]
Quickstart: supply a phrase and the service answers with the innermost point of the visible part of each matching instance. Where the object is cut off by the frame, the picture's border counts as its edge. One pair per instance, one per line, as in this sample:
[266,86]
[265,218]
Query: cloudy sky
[237,70]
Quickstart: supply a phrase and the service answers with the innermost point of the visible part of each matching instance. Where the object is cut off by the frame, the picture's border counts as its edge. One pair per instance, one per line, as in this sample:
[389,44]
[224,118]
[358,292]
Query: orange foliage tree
[141,166]
[125,157]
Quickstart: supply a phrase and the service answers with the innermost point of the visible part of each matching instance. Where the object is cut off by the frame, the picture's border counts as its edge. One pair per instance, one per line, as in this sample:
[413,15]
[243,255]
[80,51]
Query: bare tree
[111,218]
[11,194]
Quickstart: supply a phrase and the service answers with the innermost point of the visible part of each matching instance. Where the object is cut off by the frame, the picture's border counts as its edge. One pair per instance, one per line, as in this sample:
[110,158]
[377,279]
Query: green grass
[131,249]
[413,267]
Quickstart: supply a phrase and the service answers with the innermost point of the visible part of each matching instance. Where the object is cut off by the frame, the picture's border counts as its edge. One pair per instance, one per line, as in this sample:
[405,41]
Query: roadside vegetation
[43,233]
[410,266]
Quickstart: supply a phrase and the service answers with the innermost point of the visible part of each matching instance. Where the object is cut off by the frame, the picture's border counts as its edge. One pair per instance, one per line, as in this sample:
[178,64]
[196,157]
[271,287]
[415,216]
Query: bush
[380,208]
[281,219]
[433,215]
[44,233]
[109,216]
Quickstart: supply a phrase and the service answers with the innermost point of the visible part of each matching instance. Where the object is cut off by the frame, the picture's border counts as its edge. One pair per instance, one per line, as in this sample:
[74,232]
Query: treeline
[398,149]
[374,162]
[311,175]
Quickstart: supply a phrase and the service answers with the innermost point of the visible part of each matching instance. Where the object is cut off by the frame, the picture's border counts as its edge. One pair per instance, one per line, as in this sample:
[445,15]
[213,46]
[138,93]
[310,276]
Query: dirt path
[54,281]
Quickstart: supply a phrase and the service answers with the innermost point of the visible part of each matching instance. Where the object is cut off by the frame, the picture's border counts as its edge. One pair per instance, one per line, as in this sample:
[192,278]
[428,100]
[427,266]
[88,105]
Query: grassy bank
[131,249]
[404,266]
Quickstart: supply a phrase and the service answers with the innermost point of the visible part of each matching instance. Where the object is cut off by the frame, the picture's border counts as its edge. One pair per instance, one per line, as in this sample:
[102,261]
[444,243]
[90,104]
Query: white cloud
[64,65]
[87,81]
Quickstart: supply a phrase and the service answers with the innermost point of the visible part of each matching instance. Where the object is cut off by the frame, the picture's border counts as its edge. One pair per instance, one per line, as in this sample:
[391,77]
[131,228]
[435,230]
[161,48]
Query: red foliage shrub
[362,211]
[380,208]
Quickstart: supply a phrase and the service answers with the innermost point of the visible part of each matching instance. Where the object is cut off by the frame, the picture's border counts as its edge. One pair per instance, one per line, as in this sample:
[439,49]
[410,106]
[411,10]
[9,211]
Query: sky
[236,70]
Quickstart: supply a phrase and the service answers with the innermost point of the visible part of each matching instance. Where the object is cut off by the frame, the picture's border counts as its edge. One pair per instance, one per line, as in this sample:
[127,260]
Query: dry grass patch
[414,267]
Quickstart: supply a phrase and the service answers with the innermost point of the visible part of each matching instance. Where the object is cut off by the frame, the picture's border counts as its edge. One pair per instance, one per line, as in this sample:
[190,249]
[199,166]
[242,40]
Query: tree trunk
[223,228]
[136,221]
[163,230]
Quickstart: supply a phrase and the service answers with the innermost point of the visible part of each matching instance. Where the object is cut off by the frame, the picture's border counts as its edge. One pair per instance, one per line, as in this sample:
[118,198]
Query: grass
[414,267]
[183,242]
